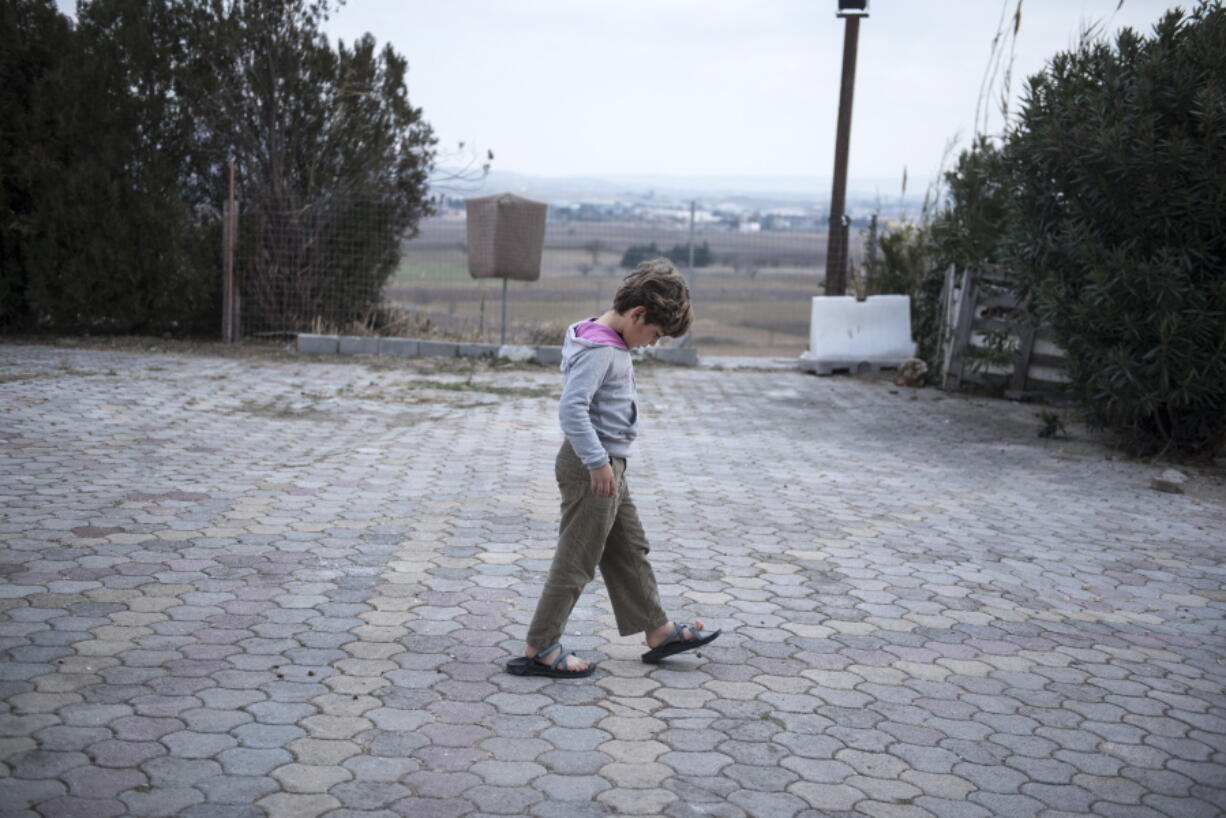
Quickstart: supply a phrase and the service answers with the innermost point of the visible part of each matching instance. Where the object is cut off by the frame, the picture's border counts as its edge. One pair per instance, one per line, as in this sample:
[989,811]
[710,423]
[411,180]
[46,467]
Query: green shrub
[906,262]
[115,135]
[636,254]
[679,255]
[967,231]
[1117,225]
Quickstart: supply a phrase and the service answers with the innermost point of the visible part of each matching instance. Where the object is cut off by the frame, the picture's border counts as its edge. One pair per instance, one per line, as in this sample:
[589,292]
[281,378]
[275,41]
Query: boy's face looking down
[635,330]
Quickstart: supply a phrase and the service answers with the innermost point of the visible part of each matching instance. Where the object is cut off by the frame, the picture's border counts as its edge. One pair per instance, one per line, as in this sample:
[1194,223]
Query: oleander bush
[1116,225]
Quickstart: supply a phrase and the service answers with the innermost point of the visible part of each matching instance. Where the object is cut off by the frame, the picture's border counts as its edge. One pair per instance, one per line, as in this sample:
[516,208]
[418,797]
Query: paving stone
[571,762]
[372,768]
[241,761]
[502,800]
[93,715]
[395,744]
[162,801]
[223,811]
[190,744]
[949,787]
[636,802]
[235,789]
[310,778]
[1042,770]
[23,793]
[1007,805]
[641,775]
[70,807]
[877,765]
[323,752]
[101,783]
[507,773]
[1060,796]
[570,787]
[768,803]
[368,795]
[294,805]
[171,772]
[569,809]
[63,738]
[280,712]
[293,628]
[44,763]
[208,720]
[1113,788]
[123,754]
[266,735]
[699,764]
[767,779]
[952,808]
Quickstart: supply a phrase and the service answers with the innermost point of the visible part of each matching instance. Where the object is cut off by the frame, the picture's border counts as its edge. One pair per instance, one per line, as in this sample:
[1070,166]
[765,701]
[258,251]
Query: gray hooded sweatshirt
[598,412]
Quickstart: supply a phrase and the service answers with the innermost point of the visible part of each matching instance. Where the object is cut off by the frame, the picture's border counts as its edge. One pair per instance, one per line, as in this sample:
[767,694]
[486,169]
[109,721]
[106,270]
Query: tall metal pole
[836,244]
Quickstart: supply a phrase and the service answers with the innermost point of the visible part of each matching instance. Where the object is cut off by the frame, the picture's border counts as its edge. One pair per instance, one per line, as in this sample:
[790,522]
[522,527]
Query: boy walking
[600,525]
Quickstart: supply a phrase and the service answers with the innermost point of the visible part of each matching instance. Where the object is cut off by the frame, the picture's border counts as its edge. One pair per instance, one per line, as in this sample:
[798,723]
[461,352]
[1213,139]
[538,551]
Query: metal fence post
[684,340]
[229,229]
[689,269]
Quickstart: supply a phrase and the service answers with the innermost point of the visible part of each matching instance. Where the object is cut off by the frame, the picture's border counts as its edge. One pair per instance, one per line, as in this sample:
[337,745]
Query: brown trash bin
[506,234]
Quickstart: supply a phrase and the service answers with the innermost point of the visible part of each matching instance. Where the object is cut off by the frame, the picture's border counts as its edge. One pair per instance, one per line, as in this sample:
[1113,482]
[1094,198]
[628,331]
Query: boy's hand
[603,481]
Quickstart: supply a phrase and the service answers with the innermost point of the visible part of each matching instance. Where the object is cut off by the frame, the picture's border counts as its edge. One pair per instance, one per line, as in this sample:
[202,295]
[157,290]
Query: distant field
[753,300]
[432,271]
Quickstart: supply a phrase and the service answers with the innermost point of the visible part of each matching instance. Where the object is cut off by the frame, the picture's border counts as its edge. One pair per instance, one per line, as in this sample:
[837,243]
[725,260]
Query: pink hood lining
[589,330]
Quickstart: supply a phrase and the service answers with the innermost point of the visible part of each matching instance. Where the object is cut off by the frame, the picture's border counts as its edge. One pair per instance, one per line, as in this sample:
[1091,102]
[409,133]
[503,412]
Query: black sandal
[531,666]
[676,644]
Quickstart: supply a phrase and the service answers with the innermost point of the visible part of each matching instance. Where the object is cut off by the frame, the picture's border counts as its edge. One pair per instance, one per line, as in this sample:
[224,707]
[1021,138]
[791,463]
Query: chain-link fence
[325,270]
[751,281]
[320,268]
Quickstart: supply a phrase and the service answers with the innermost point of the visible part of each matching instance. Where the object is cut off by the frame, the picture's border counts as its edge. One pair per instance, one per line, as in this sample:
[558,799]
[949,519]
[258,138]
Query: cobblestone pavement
[287,588]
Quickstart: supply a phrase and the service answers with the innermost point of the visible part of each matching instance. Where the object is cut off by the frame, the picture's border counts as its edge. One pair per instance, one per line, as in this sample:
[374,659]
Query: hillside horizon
[795,189]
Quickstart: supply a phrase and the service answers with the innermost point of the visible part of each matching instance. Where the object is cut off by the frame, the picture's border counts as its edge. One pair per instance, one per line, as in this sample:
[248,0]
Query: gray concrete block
[357,345]
[477,350]
[399,347]
[549,354]
[519,354]
[683,356]
[318,344]
[437,349]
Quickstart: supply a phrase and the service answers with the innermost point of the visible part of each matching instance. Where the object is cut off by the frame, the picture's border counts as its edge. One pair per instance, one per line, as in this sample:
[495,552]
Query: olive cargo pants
[596,531]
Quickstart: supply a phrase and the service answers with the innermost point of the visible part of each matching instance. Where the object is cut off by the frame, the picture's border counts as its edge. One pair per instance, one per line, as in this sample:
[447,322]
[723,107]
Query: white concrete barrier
[858,335]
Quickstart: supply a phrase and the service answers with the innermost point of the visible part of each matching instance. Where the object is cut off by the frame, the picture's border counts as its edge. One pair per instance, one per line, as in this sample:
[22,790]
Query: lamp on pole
[836,244]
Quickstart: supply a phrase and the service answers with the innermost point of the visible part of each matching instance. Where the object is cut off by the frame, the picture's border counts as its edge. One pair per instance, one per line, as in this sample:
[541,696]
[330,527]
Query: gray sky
[710,87]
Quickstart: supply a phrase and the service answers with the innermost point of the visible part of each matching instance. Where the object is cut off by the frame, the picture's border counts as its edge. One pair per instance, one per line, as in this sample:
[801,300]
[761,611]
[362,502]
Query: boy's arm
[586,373]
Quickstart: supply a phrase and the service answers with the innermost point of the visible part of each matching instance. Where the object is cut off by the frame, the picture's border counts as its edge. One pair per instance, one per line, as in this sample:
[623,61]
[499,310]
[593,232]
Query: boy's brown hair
[657,286]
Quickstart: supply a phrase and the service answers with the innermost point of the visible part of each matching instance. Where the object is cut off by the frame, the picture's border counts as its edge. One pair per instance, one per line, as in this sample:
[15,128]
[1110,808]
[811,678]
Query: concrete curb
[437,349]
[396,347]
[310,344]
[318,344]
[357,345]
[684,356]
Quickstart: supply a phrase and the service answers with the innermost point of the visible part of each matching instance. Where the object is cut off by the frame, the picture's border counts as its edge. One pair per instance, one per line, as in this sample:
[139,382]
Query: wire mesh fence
[348,271]
[751,284]
[320,268]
